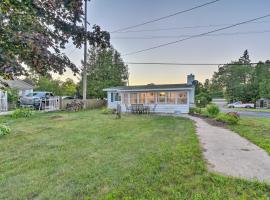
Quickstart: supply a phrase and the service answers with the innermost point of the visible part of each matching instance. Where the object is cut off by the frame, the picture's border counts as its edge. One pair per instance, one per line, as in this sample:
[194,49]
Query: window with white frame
[133,98]
[171,97]
[162,97]
[182,97]
[142,98]
[115,97]
[151,97]
[125,98]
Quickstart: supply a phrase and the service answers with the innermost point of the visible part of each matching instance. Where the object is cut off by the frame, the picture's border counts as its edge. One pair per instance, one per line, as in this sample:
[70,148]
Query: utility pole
[84,75]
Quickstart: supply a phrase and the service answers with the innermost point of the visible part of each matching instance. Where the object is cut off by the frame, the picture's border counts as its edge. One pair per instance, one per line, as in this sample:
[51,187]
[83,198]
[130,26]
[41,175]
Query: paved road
[230,154]
[247,113]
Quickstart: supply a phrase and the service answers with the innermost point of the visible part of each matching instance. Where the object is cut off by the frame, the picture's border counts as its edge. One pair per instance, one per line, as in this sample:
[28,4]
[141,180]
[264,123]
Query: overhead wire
[179,36]
[197,35]
[164,17]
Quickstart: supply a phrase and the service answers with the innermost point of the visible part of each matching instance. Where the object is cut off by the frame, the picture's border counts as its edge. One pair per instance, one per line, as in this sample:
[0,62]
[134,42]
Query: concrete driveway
[244,113]
[228,153]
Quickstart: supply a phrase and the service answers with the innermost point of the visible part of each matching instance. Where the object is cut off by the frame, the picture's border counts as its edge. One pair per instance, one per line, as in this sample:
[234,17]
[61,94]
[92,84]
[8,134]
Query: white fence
[51,104]
[3,101]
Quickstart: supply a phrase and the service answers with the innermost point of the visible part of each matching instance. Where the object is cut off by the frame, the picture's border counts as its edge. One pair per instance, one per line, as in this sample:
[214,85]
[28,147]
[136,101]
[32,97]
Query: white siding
[110,104]
[160,108]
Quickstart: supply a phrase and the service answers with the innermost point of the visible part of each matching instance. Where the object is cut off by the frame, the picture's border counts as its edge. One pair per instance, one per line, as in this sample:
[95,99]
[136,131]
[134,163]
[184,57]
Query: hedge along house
[169,98]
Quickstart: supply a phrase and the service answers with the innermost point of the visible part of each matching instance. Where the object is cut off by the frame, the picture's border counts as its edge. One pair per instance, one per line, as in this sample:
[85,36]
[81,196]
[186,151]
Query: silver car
[38,100]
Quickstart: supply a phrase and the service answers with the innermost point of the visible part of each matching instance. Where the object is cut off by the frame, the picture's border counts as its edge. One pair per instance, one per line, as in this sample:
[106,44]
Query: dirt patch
[56,117]
[211,121]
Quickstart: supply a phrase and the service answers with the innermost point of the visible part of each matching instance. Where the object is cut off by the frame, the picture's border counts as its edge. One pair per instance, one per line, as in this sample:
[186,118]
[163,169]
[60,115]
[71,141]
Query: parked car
[67,97]
[38,100]
[239,104]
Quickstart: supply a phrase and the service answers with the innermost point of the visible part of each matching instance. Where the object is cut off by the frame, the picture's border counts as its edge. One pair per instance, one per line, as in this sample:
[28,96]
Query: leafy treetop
[33,33]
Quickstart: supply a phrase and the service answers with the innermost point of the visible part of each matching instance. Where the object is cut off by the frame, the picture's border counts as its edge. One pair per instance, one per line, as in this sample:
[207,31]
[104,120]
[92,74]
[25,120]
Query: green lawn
[257,130]
[250,109]
[88,155]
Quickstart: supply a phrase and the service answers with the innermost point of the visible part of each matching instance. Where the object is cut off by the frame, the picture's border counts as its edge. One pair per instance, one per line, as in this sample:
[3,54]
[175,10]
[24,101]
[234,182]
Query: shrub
[235,114]
[75,106]
[212,110]
[202,99]
[107,111]
[4,130]
[195,111]
[192,110]
[22,113]
[228,118]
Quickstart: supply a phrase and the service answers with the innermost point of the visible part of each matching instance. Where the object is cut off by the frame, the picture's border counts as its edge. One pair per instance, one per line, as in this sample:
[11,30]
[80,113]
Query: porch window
[150,98]
[182,98]
[133,98]
[142,98]
[125,96]
[115,97]
[162,96]
[171,97]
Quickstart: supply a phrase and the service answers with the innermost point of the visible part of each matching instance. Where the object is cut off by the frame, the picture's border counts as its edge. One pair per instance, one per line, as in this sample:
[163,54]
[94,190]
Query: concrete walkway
[230,154]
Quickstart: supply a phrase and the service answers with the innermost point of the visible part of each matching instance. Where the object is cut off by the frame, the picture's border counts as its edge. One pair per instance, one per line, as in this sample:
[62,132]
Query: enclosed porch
[154,101]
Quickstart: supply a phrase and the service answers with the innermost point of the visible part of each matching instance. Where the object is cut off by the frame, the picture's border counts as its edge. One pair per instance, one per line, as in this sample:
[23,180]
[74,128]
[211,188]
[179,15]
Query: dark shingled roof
[151,87]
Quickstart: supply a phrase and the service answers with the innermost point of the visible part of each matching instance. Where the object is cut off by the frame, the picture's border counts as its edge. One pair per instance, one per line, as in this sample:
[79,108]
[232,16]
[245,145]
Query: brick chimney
[190,79]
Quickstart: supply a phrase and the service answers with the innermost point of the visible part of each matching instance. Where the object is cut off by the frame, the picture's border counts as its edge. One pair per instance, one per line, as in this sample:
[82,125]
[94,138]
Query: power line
[189,64]
[183,27]
[179,36]
[198,35]
[165,17]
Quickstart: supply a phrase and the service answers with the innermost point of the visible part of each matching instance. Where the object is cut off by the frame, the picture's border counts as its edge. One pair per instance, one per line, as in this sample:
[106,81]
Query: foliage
[58,87]
[228,118]
[195,110]
[202,99]
[69,88]
[12,95]
[4,129]
[212,110]
[107,111]
[35,32]
[241,81]
[75,106]
[235,114]
[264,88]
[137,157]
[22,113]
[105,69]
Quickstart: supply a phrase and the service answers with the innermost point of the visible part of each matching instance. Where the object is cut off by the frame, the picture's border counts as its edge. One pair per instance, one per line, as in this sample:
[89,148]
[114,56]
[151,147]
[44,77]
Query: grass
[88,155]
[250,109]
[257,130]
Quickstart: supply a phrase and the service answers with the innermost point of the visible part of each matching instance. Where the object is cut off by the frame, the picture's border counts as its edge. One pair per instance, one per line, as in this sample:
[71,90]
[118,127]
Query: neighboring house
[23,87]
[263,103]
[169,98]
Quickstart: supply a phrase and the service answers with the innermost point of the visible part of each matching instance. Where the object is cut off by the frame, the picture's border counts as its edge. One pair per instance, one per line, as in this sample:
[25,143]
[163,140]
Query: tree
[58,87]
[69,87]
[245,58]
[105,69]
[34,33]
[49,85]
[234,79]
[241,81]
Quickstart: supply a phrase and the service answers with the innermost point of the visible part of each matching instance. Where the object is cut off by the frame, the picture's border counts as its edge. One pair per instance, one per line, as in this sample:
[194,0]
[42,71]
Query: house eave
[146,90]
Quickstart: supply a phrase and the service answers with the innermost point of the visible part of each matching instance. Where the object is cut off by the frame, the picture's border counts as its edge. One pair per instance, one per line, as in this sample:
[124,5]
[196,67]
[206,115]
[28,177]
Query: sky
[114,14]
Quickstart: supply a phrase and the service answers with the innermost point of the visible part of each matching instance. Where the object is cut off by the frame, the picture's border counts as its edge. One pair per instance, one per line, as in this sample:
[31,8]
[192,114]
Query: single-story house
[23,87]
[169,98]
[263,103]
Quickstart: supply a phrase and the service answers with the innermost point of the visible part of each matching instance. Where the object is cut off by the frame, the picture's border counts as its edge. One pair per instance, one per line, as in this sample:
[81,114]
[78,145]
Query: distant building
[263,103]
[23,87]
